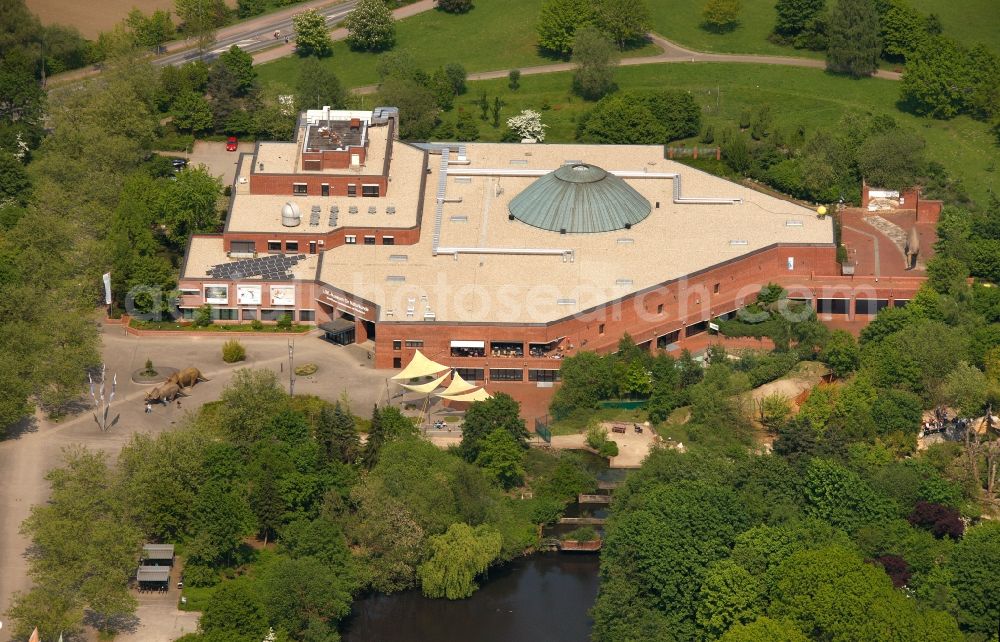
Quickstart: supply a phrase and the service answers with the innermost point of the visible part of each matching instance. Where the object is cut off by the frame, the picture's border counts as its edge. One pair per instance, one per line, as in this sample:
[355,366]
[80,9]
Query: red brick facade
[283,184]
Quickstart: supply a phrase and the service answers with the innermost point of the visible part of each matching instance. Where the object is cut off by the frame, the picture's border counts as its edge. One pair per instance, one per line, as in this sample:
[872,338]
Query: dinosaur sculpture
[165,392]
[187,377]
[912,248]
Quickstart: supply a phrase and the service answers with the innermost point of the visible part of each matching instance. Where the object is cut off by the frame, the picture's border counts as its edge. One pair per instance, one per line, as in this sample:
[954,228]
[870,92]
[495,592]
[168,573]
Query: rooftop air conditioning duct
[291,216]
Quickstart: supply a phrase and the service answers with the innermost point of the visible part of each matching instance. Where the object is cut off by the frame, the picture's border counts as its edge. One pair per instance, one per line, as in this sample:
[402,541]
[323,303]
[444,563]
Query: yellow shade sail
[419,366]
[425,388]
[478,395]
[457,386]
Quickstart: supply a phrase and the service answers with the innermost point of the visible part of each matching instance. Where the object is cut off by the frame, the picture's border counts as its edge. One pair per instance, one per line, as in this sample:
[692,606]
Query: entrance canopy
[153,574]
[478,395]
[419,366]
[426,388]
[336,326]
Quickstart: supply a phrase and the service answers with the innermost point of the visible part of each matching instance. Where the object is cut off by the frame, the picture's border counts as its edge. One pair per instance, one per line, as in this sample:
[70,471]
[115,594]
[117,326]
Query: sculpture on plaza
[912,248]
[165,393]
[187,377]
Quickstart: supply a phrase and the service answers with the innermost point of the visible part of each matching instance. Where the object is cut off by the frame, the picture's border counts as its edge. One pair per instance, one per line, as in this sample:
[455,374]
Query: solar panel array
[274,267]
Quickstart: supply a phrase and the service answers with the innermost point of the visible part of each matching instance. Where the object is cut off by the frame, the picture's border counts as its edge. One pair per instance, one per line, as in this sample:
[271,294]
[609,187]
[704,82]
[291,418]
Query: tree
[729,595]
[903,29]
[966,388]
[457,557]
[514,79]
[305,595]
[189,205]
[892,160]
[235,606]
[764,629]
[312,38]
[370,26]
[722,15]
[794,16]
[15,186]
[502,457]
[418,108]
[267,503]
[466,127]
[200,18]
[641,118]
[455,6]
[938,519]
[249,8]
[240,65]
[248,403]
[192,113]
[841,353]
[558,22]
[854,46]
[336,434]
[456,75]
[595,60]
[975,567]
[152,31]
[528,125]
[501,412]
[841,497]
[938,79]
[624,22]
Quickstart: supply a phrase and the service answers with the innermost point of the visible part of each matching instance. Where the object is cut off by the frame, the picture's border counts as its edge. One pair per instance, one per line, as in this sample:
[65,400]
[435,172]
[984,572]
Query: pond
[542,597]
[545,596]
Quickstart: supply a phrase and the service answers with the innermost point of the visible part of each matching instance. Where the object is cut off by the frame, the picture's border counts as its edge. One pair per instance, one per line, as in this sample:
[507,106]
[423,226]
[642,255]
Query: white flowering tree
[528,124]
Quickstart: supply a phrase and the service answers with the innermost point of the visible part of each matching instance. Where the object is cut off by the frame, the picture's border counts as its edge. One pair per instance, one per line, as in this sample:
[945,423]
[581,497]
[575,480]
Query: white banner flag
[107,288]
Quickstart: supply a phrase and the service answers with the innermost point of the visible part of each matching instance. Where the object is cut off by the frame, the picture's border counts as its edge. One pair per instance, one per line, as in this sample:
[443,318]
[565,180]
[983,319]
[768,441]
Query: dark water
[544,597]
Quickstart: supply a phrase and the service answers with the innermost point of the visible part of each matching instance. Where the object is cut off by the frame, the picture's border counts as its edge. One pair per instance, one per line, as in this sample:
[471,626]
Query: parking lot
[213,155]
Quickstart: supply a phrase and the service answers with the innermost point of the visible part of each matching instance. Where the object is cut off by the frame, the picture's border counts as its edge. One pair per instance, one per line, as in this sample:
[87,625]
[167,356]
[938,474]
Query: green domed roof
[579,198]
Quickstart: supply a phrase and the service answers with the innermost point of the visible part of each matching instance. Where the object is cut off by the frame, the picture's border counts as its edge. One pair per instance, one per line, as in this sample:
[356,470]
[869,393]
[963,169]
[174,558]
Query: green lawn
[680,21]
[496,34]
[797,96]
[969,21]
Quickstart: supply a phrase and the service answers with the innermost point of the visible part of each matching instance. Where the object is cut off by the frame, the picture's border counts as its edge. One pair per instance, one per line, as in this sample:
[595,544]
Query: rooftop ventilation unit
[565,301]
[624,283]
[739,242]
[625,241]
[353,209]
[391,209]
[793,223]
[393,278]
[372,209]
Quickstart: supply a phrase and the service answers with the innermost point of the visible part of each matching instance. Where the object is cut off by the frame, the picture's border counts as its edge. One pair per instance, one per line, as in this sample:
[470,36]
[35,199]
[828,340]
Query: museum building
[500,259]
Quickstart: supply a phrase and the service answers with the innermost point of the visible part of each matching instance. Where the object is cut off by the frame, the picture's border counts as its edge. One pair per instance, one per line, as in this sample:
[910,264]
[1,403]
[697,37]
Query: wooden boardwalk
[591,521]
[608,485]
[593,499]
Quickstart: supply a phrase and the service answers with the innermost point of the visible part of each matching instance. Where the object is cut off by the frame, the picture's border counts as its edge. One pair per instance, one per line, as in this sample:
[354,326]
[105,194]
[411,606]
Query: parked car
[232,144]
[179,163]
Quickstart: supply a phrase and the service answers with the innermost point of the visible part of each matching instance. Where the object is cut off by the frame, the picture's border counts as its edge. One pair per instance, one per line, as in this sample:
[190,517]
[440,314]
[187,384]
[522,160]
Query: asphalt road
[258,35]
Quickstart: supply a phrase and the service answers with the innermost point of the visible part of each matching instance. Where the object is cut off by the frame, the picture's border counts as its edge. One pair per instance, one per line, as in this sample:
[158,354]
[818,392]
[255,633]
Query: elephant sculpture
[187,377]
[912,248]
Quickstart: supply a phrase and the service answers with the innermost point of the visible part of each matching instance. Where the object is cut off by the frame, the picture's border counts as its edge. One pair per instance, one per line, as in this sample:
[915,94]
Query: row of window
[234,314]
[367,191]
[508,374]
[352,239]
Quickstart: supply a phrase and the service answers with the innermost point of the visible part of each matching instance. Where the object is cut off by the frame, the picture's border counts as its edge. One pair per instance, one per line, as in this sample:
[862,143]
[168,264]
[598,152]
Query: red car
[232,144]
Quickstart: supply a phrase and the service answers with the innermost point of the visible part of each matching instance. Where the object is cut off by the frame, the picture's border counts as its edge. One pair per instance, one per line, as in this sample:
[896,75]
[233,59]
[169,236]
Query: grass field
[968,21]
[797,96]
[680,21]
[496,34]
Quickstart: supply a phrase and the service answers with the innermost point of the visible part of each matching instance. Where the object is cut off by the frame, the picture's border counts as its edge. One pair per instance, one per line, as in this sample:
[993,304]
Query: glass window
[274,315]
[667,339]
[249,314]
[369,240]
[300,189]
[350,239]
[187,313]
[696,328]
[388,240]
[506,349]
[506,374]
[471,374]
[600,329]
[307,315]
[543,375]
[397,344]
[369,190]
[352,190]
[659,309]
[274,246]
[414,343]
[226,314]
[243,247]
[291,246]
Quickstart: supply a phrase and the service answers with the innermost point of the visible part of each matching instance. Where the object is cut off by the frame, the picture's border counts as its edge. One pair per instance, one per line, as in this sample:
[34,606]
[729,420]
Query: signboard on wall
[282,295]
[248,294]
[217,293]
[344,302]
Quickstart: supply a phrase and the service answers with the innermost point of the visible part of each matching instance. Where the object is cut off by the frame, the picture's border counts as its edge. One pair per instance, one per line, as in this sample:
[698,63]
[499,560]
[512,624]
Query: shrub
[149,371]
[285,322]
[233,351]
[257,324]
[596,436]
[938,519]
[608,449]
[203,317]
[896,568]
[514,79]
[582,534]
[200,575]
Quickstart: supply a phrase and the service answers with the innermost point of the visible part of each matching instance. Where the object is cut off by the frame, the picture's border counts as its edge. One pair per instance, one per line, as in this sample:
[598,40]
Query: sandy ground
[34,447]
[94,16]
